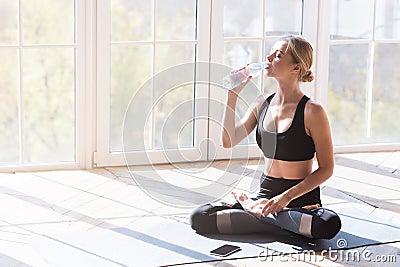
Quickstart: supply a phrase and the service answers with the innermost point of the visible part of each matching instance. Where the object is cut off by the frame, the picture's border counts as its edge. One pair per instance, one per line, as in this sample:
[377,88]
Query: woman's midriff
[288,169]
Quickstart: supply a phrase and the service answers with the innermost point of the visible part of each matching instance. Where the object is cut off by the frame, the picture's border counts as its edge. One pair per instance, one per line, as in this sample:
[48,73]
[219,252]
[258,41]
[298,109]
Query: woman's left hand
[275,204]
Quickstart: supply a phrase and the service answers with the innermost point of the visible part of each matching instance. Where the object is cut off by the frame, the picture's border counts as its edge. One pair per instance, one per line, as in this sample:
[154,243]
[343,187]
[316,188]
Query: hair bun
[308,76]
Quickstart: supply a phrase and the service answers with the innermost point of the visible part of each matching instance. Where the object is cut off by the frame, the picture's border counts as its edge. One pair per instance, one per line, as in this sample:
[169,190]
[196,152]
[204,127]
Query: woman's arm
[233,133]
[317,126]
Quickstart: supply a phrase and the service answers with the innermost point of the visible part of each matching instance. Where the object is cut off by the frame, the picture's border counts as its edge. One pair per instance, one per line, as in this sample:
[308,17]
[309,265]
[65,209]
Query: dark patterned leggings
[223,218]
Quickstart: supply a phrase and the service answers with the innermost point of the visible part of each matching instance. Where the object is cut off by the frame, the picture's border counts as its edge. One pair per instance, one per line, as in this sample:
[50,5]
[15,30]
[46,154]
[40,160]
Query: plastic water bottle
[234,79]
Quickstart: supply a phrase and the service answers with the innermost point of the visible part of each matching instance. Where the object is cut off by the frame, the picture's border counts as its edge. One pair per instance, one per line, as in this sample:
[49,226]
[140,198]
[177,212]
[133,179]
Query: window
[147,37]
[364,72]
[38,82]
[111,82]
[142,47]
[146,40]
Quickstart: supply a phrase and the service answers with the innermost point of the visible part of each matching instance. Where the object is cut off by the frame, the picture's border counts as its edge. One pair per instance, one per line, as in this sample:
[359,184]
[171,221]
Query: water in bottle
[234,79]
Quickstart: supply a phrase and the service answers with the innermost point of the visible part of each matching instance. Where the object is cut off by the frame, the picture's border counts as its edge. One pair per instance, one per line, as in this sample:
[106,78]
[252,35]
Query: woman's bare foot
[252,206]
[242,198]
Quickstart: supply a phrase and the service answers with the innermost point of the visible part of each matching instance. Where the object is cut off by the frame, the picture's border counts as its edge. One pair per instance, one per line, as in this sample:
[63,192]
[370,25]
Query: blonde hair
[302,53]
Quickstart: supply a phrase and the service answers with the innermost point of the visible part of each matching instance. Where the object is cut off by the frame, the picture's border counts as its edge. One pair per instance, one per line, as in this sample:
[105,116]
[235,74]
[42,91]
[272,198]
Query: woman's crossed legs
[245,217]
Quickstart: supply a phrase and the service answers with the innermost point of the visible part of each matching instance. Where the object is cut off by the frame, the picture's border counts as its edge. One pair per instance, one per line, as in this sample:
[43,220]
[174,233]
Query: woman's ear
[296,68]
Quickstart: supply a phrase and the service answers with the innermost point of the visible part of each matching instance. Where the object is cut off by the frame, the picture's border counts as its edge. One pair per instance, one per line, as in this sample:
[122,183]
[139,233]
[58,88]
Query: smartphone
[225,250]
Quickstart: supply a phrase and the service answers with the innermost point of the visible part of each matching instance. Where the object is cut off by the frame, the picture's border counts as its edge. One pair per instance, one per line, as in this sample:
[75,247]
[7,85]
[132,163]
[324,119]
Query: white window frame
[323,58]
[82,97]
[103,157]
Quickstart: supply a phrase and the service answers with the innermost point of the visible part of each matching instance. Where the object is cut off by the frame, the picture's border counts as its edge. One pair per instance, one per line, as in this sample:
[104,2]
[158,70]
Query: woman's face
[280,61]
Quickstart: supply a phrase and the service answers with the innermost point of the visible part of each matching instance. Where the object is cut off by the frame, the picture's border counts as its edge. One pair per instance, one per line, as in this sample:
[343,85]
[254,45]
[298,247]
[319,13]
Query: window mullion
[151,122]
[103,82]
[322,52]
[85,82]
[21,86]
[369,93]
[310,31]
[369,96]
[202,139]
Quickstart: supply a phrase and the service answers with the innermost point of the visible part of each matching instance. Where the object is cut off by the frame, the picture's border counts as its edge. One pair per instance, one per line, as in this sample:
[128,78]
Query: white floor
[43,212]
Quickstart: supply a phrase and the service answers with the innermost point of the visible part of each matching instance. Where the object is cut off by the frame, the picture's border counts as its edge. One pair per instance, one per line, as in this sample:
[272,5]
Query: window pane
[388,19]
[9,141]
[283,17]
[134,71]
[242,18]
[176,20]
[386,94]
[48,21]
[8,22]
[173,111]
[351,19]
[130,69]
[168,55]
[49,105]
[173,115]
[131,20]
[347,93]
[238,54]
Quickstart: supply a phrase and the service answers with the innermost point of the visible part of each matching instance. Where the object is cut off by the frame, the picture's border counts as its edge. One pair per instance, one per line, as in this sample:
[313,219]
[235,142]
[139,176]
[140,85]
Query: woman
[291,129]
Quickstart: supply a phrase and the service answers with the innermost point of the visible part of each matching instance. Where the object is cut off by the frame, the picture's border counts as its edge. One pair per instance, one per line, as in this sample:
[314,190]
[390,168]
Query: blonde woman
[291,130]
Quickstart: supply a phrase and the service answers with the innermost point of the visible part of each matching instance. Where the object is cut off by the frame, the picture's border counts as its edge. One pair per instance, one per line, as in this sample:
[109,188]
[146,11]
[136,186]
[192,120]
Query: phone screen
[225,250]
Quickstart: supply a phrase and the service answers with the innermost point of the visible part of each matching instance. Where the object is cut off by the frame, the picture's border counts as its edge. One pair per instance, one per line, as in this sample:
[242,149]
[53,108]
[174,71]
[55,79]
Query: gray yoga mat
[157,241]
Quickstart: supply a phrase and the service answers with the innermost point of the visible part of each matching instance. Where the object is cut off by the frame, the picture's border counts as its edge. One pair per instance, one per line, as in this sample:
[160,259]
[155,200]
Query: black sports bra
[294,144]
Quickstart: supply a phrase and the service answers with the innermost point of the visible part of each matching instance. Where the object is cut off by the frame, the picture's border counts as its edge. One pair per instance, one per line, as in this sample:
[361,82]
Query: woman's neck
[288,92]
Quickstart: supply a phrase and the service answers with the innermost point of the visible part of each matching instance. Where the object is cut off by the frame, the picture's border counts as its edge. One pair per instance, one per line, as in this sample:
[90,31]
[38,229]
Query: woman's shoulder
[314,110]
[314,107]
